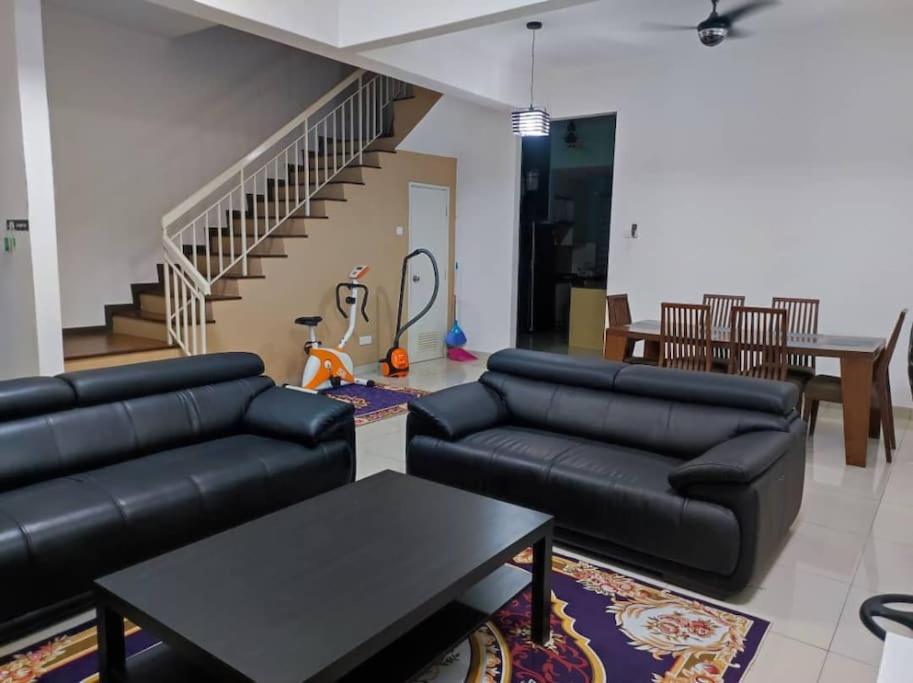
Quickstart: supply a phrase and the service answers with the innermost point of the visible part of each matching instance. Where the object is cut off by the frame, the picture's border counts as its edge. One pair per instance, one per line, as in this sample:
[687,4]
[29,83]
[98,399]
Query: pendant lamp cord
[532,72]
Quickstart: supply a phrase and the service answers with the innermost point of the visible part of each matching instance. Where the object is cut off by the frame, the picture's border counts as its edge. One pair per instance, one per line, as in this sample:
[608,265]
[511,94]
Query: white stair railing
[247,203]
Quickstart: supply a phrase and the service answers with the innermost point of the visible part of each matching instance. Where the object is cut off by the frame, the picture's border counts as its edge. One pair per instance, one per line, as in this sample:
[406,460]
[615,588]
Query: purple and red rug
[375,403]
[606,627]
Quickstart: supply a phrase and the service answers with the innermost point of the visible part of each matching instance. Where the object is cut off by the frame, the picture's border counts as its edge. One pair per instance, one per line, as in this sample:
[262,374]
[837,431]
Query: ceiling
[136,15]
[612,32]
[485,57]
[607,29]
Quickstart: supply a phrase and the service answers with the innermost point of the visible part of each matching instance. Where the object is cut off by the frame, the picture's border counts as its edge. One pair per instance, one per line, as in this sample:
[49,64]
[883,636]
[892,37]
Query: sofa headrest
[707,388]
[34,395]
[747,393]
[158,377]
[557,368]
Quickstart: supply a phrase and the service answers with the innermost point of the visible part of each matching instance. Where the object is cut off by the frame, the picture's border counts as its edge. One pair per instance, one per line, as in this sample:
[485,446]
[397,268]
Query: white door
[429,228]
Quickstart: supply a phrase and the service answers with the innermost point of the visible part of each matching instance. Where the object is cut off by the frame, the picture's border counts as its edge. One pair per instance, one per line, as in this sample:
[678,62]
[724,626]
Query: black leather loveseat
[695,476]
[104,468]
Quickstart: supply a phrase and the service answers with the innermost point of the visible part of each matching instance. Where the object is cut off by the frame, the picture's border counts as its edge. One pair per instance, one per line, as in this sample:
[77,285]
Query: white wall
[139,122]
[487,201]
[39,176]
[777,165]
[30,340]
[18,343]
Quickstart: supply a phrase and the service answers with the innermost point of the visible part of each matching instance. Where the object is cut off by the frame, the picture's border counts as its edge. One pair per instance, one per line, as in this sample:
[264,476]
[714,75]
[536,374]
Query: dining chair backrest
[802,319]
[684,337]
[757,342]
[720,316]
[910,361]
[619,310]
[883,363]
[721,307]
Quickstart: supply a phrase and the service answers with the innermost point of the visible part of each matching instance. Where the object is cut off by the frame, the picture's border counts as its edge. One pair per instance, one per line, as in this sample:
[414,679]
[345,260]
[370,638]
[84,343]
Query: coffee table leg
[112,654]
[541,609]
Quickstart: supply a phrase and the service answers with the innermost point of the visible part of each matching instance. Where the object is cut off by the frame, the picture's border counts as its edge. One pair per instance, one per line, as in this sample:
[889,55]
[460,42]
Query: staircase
[225,232]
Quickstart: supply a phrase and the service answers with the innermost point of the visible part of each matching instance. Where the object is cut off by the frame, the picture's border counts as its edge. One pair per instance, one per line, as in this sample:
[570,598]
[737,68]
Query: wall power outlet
[366,340]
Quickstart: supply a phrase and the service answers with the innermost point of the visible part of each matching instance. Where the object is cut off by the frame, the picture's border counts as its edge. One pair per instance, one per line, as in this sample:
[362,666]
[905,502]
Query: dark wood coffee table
[372,581]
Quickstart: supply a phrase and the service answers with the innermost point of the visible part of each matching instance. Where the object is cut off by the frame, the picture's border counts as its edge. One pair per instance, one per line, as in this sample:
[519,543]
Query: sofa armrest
[298,416]
[455,412]
[738,461]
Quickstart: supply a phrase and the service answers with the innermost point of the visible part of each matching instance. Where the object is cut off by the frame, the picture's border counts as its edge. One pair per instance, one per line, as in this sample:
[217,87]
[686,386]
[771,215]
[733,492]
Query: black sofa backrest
[52,427]
[667,411]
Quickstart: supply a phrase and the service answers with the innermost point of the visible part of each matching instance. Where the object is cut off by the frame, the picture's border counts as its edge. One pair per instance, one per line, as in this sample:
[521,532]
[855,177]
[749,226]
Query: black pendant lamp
[535,121]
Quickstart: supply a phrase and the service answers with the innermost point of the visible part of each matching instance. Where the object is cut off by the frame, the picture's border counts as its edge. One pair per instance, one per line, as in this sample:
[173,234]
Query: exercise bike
[329,367]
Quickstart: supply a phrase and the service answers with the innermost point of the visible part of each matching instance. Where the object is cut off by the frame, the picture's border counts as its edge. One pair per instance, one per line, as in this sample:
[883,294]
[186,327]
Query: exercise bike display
[396,362]
[329,367]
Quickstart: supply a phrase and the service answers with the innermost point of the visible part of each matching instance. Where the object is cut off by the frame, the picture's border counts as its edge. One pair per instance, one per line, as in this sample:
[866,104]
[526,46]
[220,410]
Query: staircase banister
[220,180]
[187,266]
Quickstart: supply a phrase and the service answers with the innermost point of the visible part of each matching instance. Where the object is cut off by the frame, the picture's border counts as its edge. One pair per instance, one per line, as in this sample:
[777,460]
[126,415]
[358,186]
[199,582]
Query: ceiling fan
[719,26]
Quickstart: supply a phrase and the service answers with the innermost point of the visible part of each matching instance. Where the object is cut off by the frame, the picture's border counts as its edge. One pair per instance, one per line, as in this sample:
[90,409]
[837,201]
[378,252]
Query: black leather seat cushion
[616,493]
[58,535]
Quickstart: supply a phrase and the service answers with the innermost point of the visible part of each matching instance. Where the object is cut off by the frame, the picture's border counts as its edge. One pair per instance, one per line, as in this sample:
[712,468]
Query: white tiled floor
[854,538]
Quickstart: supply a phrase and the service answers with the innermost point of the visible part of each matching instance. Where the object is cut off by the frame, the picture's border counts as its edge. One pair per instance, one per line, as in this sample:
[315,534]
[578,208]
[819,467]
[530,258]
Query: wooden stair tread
[341,168]
[329,182]
[212,297]
[272,200]
[250,216]
[93,343]
[140,314]
[214,253]
[273,236]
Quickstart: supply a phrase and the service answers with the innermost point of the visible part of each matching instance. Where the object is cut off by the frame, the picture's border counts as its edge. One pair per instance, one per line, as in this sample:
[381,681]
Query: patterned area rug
[374,403]
[606,628]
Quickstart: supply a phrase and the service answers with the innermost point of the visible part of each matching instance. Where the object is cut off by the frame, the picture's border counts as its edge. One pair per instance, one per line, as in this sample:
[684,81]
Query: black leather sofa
[103,468]
[694,476]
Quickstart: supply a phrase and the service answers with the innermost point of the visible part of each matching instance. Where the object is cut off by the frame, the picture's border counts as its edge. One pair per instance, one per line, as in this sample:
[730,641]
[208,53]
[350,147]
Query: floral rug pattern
[375,403]
[606,627]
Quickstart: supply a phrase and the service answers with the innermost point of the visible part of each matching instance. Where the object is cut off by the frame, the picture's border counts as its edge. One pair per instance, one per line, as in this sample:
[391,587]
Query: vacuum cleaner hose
[400,329]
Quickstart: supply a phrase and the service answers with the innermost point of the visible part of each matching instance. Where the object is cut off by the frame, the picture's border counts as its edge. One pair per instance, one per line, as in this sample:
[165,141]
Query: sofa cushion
[672,427]
[63,443]
[616,493]
[56,536]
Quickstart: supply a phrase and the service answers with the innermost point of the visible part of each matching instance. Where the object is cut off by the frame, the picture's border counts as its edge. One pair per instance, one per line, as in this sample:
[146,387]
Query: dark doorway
[565,219]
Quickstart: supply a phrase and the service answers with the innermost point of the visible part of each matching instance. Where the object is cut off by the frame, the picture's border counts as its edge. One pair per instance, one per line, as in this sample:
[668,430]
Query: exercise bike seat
[309,320]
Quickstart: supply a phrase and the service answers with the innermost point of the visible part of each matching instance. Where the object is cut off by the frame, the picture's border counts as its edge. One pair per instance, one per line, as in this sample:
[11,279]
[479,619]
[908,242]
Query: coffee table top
[311,591]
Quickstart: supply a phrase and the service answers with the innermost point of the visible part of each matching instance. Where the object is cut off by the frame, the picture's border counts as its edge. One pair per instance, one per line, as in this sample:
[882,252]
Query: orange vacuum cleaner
[396,362]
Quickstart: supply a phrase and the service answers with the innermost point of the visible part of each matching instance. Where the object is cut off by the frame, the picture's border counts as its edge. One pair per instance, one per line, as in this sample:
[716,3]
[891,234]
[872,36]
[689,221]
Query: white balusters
[354,119]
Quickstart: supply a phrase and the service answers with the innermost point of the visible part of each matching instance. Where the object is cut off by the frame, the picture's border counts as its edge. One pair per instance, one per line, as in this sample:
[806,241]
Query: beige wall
[359,231]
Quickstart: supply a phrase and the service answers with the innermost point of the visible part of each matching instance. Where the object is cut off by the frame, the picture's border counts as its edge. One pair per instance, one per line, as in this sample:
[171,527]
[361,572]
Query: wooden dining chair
[619,313]
[684,337]
[757,342]
[721,306]
[828,388]
[910,361]
[802,319]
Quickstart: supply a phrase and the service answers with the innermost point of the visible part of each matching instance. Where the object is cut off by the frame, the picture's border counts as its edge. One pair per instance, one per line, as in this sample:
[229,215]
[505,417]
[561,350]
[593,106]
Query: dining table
[861,417]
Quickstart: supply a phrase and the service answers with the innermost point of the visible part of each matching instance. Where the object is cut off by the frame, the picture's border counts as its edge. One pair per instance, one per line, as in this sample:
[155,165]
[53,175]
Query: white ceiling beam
[368,24]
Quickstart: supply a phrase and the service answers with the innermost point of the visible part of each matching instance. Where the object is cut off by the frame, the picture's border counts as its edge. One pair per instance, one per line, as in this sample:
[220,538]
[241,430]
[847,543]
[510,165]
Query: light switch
[400,231]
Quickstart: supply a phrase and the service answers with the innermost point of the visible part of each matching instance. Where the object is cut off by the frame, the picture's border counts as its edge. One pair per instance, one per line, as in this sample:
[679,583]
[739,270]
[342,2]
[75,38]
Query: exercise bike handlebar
[400,328]
[352,286]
